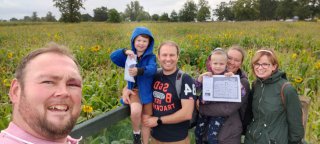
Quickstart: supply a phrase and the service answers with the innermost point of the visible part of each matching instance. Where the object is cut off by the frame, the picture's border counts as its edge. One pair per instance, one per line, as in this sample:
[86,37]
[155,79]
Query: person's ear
[15,91]
[274,67]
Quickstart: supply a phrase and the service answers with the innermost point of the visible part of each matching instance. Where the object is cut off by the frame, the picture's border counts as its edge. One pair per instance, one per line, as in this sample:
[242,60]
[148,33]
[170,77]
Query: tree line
[268,10]
[238,10]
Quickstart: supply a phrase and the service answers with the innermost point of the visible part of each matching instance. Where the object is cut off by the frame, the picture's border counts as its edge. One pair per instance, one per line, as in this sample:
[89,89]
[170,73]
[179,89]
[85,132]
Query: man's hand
[126,95]
[150,121]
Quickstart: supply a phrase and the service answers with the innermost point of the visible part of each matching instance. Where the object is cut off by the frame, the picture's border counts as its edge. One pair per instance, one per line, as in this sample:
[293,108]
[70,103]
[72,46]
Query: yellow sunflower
[10,55]
[317,65]
[298,79]
[294,56]
[95,48]
[87,109]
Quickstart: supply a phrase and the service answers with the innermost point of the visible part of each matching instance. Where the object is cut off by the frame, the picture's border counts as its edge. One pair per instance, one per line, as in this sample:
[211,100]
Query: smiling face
[49,102]
[235,59]
[141,44]
[168,58]
[263,68]
[218,63]
[264,63]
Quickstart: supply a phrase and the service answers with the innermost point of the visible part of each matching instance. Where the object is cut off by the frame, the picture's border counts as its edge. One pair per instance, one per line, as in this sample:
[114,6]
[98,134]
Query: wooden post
[305,103]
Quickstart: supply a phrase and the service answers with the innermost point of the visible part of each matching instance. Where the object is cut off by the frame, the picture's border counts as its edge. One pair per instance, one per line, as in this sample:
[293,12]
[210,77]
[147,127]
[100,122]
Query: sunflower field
[297,45]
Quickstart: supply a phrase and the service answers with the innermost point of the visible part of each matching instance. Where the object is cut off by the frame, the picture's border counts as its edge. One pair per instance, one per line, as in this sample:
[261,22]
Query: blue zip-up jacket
[147,62]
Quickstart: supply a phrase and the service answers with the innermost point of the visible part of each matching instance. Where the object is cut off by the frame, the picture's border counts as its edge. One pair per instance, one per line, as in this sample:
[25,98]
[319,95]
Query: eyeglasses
[263,65]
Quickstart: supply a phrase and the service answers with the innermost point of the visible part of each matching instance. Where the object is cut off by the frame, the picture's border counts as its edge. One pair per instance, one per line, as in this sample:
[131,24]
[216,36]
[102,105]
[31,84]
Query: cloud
[21,8]
[161,6]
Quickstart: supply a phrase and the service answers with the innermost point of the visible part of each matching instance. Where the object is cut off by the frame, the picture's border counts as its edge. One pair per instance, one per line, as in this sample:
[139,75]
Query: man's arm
[185,113]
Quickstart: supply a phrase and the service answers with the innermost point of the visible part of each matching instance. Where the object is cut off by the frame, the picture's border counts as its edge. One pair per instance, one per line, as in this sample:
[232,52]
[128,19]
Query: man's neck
[169,72]
[25,127]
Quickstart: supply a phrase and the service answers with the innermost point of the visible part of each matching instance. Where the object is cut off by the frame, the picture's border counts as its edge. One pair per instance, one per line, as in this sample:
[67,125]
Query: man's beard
[40,124]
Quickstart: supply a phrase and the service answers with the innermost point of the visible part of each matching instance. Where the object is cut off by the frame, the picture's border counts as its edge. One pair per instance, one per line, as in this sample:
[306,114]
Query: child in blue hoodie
[139,96]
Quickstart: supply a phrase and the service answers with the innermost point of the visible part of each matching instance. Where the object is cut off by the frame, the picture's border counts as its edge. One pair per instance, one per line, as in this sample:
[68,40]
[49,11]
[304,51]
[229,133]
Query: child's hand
[130,53]
[126,95]
[228,74]
[133,71]
[200,78]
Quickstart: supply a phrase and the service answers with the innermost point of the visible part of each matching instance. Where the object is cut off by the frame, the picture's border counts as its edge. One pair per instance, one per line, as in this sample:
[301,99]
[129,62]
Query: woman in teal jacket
[273,123]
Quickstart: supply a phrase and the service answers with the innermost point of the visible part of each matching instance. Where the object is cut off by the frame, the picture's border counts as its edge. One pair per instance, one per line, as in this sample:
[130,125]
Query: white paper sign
[221,88]
[130,63]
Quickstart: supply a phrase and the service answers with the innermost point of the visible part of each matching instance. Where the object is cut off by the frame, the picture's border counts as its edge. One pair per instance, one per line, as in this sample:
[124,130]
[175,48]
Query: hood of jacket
[139,31]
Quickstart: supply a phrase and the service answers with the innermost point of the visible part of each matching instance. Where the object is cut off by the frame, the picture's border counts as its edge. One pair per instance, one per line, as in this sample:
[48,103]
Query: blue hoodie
[147,63]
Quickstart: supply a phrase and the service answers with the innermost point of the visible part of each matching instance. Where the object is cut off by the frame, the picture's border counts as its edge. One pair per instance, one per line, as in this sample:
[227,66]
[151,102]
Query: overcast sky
[20,8]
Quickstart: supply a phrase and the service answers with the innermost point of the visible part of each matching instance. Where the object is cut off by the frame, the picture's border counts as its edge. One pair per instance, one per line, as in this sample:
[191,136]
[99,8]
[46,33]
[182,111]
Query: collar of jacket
[277,75]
